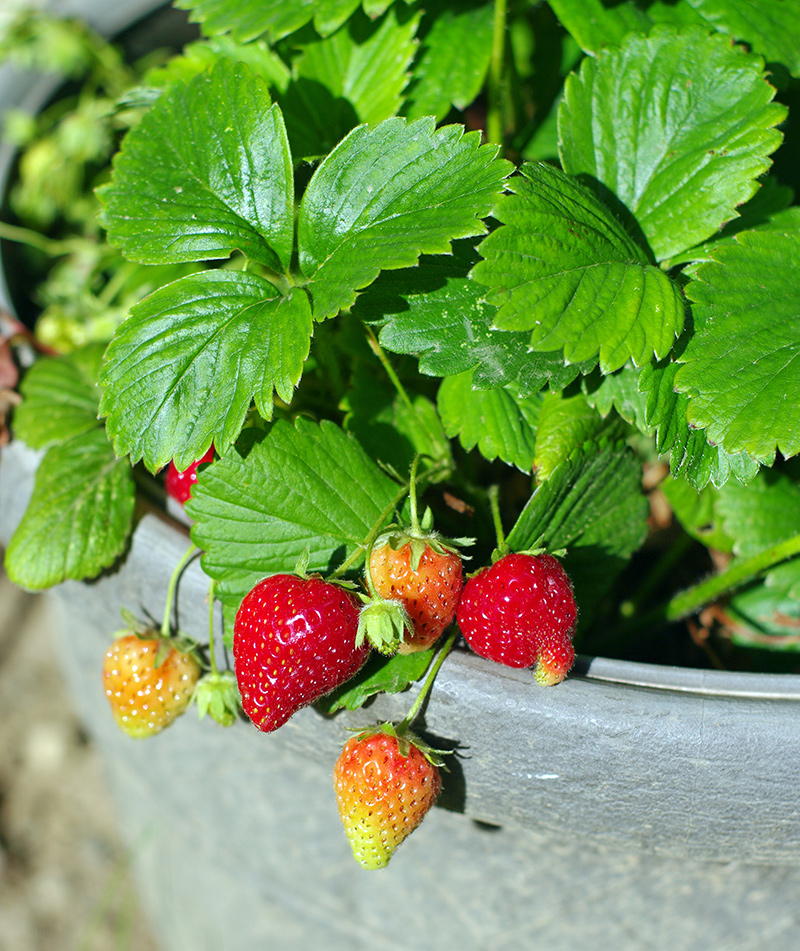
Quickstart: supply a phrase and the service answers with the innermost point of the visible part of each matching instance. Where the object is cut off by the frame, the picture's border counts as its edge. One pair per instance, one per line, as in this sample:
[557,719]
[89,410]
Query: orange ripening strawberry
[426,577]
[148,683]
[385,785]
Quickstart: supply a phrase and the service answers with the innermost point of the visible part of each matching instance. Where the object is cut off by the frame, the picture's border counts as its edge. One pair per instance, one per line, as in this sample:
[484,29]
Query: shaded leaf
[79,515]
[356,75]
[499,422]
[741,367]
[60,398]
[435,312]
[691,454]
[379,675]
[565,423]
[760,515]
[451,67]
[593,506]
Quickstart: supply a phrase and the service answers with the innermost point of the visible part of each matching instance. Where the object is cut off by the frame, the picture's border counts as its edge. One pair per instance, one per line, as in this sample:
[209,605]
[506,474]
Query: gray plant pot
[631,806]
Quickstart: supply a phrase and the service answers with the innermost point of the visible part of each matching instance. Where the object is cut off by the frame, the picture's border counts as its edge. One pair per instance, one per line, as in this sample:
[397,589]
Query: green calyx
[217,695]
[384,623]
[405,741]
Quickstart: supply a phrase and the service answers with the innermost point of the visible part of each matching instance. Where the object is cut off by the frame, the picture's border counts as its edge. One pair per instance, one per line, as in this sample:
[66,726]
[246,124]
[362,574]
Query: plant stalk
[495,117]
[426,687]
[173,584]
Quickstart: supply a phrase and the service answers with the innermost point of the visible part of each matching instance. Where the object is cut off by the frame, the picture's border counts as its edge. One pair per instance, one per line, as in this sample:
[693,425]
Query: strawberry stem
[212,660]
[494,501]
[412,496]
[425,689]
[378,350]
[173,584]
[495,131]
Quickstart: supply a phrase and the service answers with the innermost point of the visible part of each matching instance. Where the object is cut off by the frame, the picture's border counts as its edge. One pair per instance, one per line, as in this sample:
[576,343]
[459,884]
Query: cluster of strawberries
[297,638]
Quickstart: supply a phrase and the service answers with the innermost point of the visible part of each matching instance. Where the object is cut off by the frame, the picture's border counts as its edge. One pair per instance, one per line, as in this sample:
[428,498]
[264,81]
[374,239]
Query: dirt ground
[64,876]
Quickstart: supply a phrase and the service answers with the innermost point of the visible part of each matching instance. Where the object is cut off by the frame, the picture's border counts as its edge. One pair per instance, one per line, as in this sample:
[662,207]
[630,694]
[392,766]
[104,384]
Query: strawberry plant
[543,255]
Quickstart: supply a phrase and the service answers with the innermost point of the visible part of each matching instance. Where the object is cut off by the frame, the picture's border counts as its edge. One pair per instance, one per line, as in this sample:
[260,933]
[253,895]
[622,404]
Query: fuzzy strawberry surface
[293,642]
[178,482]
[382,795]
[521,612]
[144,698]
[430,594]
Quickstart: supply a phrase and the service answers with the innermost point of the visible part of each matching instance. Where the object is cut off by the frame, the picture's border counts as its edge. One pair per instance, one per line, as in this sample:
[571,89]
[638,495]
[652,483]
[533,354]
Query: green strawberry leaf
[302,486]
[451,67]
[740,368]
[691,453]
[206,172]
[499,422]
[563,268]
[563,424]
[246,20]
[770,29]
[379,675]
[435,312]
[618,391]
[389,429]
[760,515]
[697,512]
[79,516]
[386,195]
[761,617]
[595,24]
[356,75]
[676,127]
[203,55]
[593,506]
[60,398]
[183,368]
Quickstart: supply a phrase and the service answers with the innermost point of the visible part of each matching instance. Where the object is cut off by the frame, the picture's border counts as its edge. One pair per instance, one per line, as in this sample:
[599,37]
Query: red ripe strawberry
[294,640]
[426,578]
[147,692]
[522,612]
[384,788]
[178,483]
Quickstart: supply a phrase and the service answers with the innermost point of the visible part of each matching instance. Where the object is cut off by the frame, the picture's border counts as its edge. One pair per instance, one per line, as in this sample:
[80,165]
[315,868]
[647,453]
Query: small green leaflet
[391,431]
[379,675]
[356,75]
[79,516]
[594,24]
[771,29]
[563,424]
[691,453]
[761,515]
[435,312]
[183,368]
[498,422]
[697,512]
[563,268]
[677,127]
[593,506]
[301,486]
[387,194]
[246,20]
[741,367]
[60,398]
[207,171]
[454,55]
